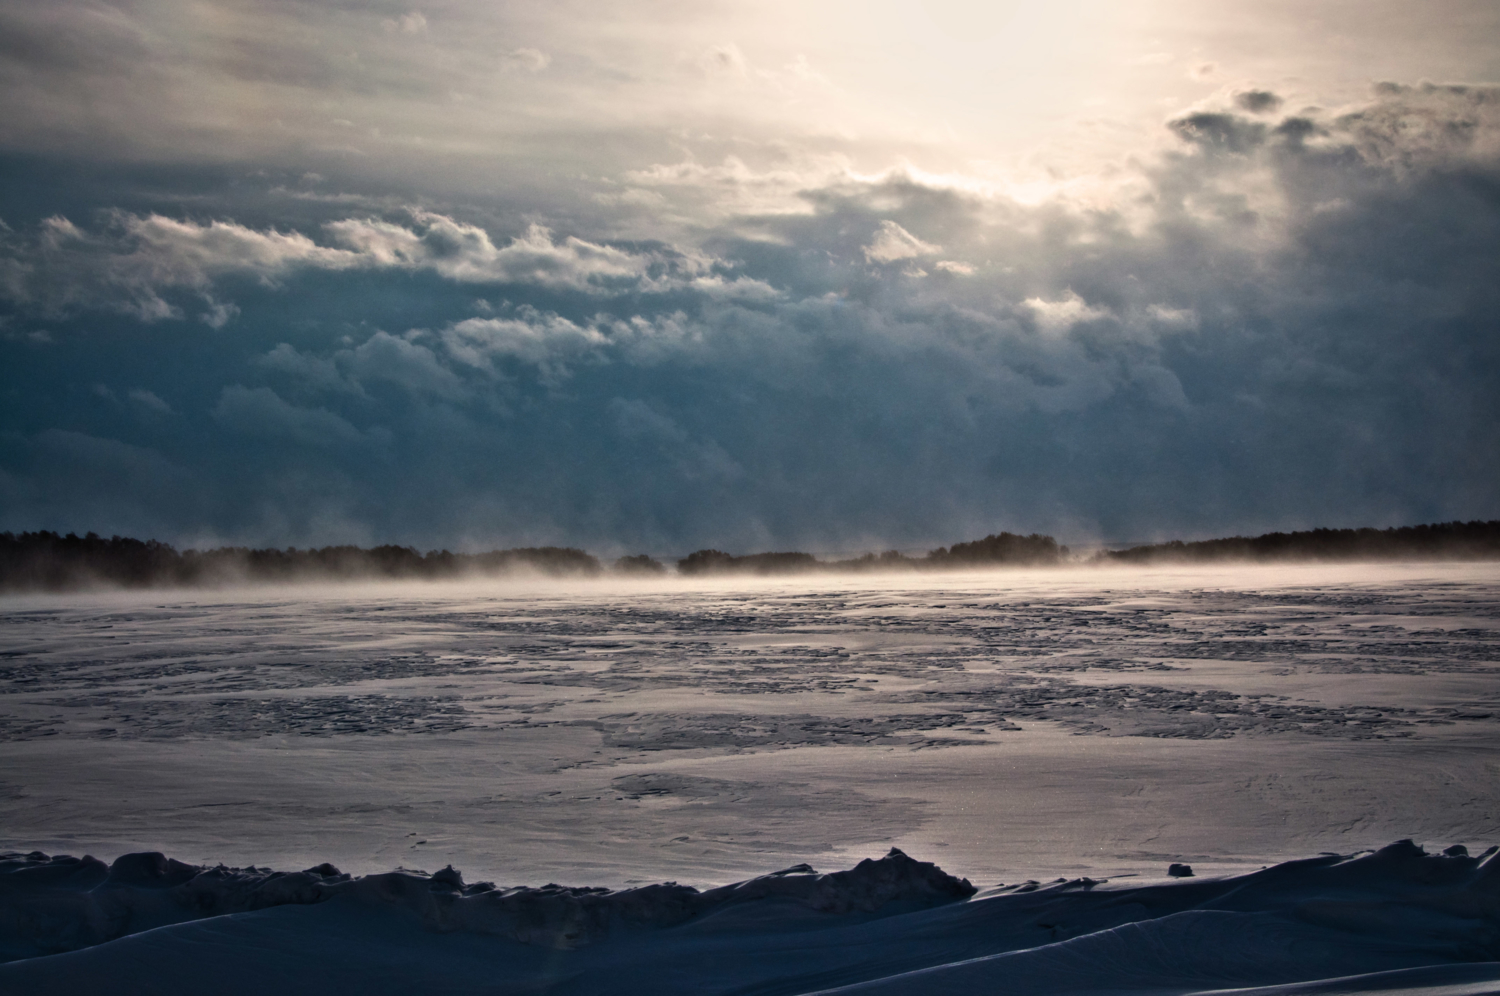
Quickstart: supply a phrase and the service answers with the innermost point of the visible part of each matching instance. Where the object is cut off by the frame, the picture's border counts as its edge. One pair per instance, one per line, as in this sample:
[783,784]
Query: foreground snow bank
[1395,920]
[50,905]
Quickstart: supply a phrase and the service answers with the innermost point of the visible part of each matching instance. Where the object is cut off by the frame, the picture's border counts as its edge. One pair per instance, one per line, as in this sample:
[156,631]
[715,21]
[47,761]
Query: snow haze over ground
[1065,781]
[1009,725]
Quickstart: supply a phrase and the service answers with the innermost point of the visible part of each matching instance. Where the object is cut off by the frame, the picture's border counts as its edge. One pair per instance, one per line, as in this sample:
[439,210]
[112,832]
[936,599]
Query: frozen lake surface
[1006,725]
[1053,740]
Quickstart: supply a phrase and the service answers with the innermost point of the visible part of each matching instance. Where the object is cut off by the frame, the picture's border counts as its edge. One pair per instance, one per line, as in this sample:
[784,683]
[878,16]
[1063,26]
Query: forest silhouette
[47,561]
[1437,541]
[998,549]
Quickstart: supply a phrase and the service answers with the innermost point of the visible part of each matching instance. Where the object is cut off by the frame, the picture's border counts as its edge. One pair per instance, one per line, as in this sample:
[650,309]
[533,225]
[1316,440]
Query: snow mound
[1395,921]
[52,904]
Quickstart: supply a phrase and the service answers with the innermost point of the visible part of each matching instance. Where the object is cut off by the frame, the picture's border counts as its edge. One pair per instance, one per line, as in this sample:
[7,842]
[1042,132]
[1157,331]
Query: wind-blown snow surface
[1009,726]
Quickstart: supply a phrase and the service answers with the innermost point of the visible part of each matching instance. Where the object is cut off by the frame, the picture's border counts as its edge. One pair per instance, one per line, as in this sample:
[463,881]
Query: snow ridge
[1398,920]
[52,904]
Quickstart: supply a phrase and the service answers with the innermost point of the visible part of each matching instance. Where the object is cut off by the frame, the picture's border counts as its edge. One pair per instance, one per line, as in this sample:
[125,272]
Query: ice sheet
[1009,725]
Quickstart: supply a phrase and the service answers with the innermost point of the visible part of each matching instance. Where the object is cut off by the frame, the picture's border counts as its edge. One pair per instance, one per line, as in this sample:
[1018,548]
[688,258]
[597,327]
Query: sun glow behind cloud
[469,88]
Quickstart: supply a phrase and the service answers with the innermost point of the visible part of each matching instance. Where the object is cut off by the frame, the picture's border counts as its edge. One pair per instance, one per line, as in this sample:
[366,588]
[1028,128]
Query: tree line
[1437,541]
[47,561]
[998,549]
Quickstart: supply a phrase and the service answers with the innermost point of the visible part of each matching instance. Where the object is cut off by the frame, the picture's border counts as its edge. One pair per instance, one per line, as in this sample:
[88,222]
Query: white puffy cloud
[463,360]
[546,342]
[466,253]
[135,262]
[1059,316]
[892,243]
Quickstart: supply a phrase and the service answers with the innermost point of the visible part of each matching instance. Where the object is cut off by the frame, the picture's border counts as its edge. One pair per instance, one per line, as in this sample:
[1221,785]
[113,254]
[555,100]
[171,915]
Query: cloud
[219,314]
[723,60]
[134,260]
[382,359]
[467,358]
[1172,318]
[319,373]
[1258,101]
[892,243]
[1063,314]
[533,337]
[529,60]
[1278,320]
[635,421]
[261,412]
[75,481]
[466,253]
[149,402]
[135,263]
[399,361]
[1220,131]
[407,24]
[1427,126]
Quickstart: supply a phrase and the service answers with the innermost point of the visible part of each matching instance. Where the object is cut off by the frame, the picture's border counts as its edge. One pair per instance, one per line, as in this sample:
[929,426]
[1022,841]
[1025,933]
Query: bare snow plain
[1056,738]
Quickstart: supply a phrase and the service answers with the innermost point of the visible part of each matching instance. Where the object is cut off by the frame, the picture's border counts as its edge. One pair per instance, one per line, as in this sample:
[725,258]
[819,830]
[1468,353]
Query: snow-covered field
[1008,726]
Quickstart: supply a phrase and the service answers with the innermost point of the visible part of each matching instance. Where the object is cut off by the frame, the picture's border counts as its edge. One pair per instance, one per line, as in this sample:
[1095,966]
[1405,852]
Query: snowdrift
[1398,920]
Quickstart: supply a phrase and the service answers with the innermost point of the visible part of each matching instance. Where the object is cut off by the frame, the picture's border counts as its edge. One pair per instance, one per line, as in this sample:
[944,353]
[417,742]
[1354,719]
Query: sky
[665,275]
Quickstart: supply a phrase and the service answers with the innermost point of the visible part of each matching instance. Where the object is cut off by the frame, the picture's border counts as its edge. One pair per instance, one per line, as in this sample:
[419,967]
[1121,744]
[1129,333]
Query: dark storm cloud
[261,412]
[1258,101]
[1220,130]
[1276,323]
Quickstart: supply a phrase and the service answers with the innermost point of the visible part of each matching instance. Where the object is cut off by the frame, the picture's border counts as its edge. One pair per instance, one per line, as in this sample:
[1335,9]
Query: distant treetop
[1438,541]
[47,561]
[1000,549]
